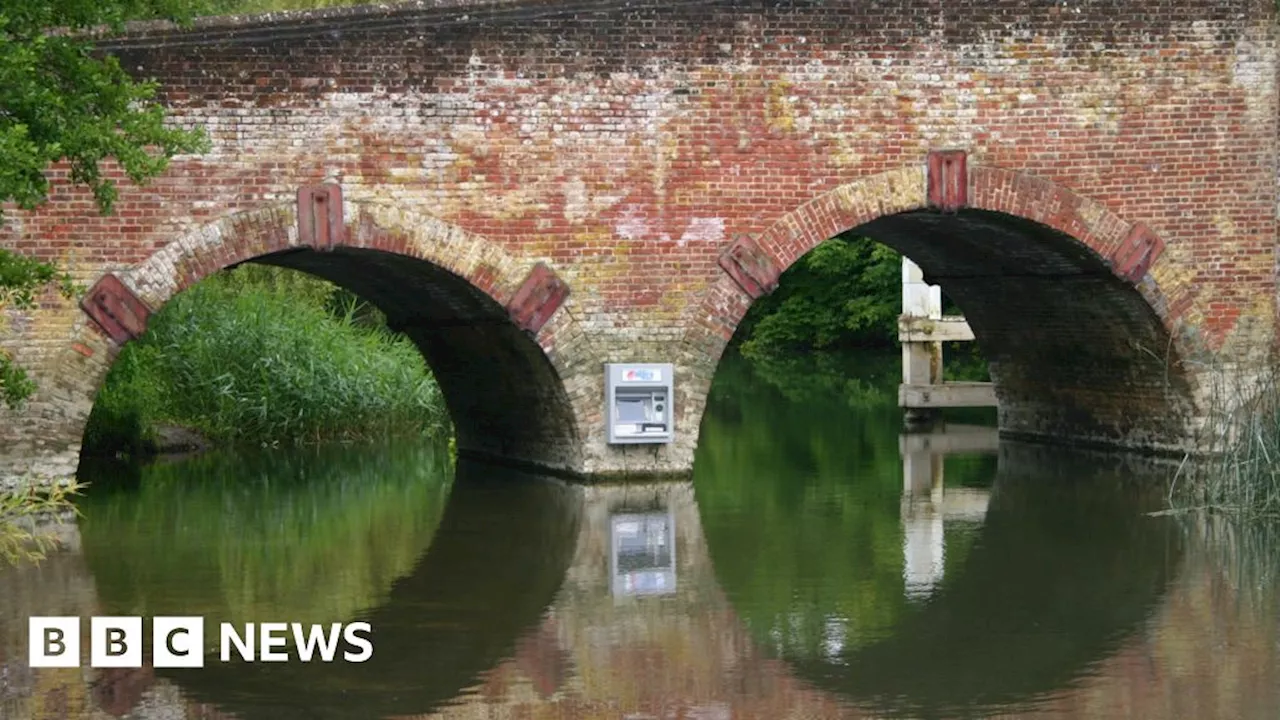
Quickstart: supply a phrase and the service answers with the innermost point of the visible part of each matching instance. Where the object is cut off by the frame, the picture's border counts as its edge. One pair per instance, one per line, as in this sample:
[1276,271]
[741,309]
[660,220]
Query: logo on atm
[642,375]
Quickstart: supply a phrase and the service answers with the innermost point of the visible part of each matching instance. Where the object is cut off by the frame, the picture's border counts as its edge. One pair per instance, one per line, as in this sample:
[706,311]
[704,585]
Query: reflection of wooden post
[925,507]
[922,329]
[921,474]
[923,543]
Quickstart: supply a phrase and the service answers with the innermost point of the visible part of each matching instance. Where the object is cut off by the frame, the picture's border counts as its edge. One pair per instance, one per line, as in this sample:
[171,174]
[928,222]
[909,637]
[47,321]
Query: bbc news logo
[178,642]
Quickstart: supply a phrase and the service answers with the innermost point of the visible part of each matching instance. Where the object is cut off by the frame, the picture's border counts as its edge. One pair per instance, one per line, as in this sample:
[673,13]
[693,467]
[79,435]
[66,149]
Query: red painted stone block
[1136,254]
[751,267]
[537,299]
[120,314]
[320,223]
[948,179]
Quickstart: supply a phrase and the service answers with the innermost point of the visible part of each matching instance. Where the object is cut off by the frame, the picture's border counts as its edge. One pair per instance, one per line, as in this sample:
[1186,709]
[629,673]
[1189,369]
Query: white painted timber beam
[949,328]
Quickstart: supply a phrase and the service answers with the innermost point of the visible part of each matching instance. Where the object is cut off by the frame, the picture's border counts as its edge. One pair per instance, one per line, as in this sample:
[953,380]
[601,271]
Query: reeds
[248,357]
[1238,469]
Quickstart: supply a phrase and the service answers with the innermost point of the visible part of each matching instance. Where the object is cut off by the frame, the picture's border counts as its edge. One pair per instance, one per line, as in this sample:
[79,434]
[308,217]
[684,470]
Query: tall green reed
[269,356]
[1237,470]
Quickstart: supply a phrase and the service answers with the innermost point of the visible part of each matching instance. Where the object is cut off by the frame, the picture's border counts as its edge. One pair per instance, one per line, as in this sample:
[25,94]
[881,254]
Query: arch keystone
[115,309]
[320,222]
[754,269]
[537,298]
[948,179]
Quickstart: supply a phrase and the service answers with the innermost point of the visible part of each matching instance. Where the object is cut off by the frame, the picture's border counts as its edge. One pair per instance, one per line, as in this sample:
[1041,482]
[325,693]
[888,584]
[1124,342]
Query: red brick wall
[628,147]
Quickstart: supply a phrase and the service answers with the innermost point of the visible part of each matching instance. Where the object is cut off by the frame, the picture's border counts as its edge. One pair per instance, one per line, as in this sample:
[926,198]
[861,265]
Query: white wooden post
[922,329]
[921,361]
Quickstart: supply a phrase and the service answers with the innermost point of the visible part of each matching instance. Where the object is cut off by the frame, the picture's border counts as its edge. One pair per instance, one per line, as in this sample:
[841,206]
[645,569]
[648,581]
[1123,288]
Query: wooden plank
[951,328]
[947,395]
[919,298]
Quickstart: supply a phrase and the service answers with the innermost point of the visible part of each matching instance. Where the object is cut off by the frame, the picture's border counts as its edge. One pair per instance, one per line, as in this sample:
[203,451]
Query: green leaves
[60,101]
[21,278]
[23,541]
[845,292]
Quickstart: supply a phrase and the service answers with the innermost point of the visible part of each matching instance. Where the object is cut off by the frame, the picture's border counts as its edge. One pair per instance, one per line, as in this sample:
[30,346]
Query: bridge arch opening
[1062,296]
[485,323]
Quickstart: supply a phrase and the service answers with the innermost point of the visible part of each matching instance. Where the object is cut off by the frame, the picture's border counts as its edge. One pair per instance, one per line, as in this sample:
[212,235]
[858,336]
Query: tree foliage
[62,102]
[21,278]
[845,292]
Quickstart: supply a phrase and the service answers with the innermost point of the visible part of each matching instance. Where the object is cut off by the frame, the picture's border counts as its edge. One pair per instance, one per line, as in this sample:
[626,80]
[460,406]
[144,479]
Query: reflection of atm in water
[639,402]
[643,553]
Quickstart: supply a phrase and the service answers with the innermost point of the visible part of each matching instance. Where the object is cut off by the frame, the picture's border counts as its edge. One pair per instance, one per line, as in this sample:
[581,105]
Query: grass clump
[1239,470]
[269,356]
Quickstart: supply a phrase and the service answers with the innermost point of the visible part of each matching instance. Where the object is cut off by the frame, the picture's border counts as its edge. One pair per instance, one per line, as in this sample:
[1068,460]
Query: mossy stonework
[531,190]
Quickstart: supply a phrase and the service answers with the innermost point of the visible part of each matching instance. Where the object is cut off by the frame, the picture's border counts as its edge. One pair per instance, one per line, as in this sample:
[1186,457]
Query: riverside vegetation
[845,294]
[1241,473]
[268,356]
[257,355]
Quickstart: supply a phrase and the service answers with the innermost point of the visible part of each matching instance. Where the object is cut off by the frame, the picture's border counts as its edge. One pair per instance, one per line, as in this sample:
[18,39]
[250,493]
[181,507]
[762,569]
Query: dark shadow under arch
[491,327]
[1078,354]
[505,398]
[1076,309]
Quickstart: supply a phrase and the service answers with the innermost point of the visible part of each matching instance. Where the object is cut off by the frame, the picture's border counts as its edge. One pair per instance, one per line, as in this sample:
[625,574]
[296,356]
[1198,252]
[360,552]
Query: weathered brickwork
[1111,238]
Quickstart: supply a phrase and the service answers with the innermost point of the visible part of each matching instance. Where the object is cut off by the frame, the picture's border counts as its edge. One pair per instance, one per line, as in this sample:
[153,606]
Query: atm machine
[638,398]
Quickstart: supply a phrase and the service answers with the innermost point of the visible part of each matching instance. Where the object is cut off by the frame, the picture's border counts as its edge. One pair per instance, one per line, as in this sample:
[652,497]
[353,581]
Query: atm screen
[632,411]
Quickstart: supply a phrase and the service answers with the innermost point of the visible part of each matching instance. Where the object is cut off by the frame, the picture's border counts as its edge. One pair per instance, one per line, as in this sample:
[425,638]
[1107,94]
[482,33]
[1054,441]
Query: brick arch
[497,330]
[1045,276]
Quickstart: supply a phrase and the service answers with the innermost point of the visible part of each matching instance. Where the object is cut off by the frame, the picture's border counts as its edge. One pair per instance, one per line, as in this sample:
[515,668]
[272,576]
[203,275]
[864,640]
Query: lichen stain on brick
[885,193]
[779,107]
[1092,216]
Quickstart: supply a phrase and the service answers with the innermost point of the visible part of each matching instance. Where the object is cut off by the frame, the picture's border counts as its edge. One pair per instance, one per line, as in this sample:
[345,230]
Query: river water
[819,565]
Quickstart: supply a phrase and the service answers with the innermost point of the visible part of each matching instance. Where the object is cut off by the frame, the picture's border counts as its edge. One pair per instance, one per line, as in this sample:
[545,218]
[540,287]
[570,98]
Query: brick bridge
[533,189]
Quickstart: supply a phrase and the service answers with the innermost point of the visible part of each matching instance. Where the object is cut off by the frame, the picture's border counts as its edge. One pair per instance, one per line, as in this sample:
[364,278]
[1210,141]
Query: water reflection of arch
[1057,577]
[1087,574]
[493,568]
